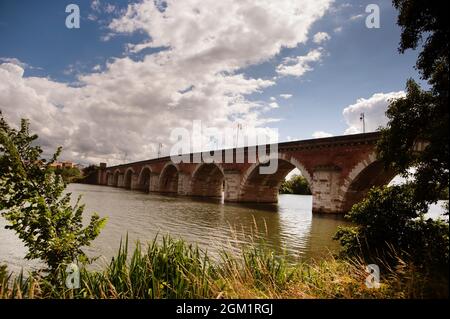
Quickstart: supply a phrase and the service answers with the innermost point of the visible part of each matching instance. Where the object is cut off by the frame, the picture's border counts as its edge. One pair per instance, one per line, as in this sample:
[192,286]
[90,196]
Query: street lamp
[361,118]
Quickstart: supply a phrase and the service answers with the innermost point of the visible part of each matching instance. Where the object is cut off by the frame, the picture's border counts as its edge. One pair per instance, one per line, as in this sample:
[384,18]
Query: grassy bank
[174,269]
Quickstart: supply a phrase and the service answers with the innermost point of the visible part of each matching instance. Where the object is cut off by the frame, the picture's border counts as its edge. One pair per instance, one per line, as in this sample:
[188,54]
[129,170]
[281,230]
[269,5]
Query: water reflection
[288,227]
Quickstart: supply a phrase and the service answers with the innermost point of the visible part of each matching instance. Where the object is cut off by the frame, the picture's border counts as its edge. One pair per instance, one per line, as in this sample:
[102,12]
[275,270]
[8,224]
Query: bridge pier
[325,189]
[232,183]
[184,183]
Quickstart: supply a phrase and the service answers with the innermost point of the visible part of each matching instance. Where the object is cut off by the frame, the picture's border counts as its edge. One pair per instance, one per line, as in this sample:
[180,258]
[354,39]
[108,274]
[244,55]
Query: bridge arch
[256,187]
[116,178]
[109,178]
[128,178]
[144,178]
[365,175]
[168,178]
[207,180]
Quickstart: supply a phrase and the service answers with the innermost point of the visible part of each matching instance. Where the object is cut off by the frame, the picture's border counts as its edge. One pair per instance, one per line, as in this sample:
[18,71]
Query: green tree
[297,184]
[390,217]
[394,216]
[68,174]
[33,203]
[422,115]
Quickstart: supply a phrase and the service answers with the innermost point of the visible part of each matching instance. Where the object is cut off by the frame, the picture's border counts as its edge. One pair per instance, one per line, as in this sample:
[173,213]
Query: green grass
[175,269]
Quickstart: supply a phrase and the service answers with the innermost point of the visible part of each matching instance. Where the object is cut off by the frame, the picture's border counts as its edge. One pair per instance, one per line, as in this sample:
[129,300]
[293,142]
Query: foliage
[390,217]
[422,115]
[33,203]
[297,184]
[89,174]
[175,269]
[68,175]
[394,216]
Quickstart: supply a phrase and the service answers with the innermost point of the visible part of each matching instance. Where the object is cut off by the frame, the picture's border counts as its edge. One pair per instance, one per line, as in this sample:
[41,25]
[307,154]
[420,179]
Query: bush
[33,203]
[389,219]
[297,184]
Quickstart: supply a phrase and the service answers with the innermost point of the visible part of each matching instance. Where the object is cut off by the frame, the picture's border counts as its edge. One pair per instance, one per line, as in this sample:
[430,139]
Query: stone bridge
[340,170]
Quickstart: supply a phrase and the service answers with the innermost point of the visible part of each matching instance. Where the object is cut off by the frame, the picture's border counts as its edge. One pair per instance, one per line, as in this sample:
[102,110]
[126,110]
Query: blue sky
[355,63]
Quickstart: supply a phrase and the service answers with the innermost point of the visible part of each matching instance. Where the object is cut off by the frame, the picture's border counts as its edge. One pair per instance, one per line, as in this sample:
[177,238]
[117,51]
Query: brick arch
[255,187]
[367,173]
[207,180]
[116,177]
[128,178]
[109,178]
[168,178]
[143,181]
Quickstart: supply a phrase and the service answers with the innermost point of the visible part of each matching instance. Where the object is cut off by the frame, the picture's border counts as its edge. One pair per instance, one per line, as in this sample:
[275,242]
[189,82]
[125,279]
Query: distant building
[65,164]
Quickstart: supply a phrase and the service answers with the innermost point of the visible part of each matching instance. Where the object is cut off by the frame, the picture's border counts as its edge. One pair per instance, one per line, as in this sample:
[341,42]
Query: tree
[68,175]
[33,203]
[394,217]
[390,217]
[297,184]
[421,115]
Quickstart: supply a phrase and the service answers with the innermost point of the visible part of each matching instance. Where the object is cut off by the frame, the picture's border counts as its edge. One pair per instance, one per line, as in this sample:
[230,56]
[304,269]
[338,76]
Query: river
[288,227]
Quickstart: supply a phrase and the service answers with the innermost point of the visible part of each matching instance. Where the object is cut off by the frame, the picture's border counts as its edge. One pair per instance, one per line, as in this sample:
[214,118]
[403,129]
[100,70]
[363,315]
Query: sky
[114,89]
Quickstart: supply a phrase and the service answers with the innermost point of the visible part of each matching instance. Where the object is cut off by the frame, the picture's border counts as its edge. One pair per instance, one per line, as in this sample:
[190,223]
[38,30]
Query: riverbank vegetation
[174,269]
[297,184]
[69,175]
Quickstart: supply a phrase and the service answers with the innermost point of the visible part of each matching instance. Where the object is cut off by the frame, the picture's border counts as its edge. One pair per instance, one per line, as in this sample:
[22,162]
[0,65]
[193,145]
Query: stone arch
[144,177]
[116,178]
[128,178]
[256,187]
[207,180]
[109,178]
[168,179]
[366,174]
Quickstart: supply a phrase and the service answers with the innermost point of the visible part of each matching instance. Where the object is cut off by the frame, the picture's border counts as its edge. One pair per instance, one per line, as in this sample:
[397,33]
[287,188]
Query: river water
[288,227]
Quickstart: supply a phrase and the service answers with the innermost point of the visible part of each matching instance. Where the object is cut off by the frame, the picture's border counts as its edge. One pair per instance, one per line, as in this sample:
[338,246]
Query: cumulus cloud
[16,61]
[356,17]
[129,107]
[321,37]
[319,134]
[274,105]
[286,96]
[374,109]
[297,66]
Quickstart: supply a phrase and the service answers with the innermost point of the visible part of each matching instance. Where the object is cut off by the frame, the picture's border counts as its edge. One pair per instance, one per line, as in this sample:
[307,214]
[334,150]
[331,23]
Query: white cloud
[130,106]
[273,98]
[321,37]
[95,5]
[299,65]
[356,17]
[320,134]
[110,8]
[374,109]
[337,30]
[274,105]
[16,61]
[286,96]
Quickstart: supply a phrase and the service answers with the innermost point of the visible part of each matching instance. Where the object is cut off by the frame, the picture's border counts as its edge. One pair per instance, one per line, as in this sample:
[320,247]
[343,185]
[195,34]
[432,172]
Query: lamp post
[362,118]
[159,149]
